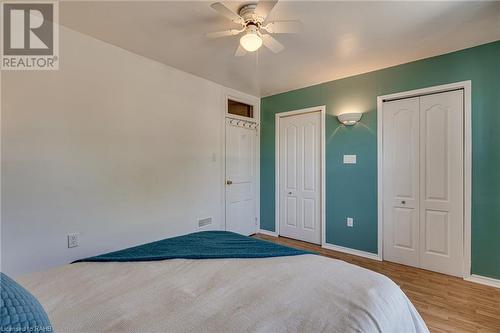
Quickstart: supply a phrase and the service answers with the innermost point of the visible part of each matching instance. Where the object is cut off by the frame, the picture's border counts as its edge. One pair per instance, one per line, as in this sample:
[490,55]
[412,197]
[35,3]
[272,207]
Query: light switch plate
[349,159]
[350,222]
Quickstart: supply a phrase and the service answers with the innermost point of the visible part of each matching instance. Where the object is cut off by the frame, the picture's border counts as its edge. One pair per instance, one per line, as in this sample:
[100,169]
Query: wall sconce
[349,119]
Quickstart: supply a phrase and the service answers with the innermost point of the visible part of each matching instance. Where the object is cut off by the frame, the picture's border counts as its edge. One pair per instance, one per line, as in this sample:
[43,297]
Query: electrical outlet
[350,222]
[73,240]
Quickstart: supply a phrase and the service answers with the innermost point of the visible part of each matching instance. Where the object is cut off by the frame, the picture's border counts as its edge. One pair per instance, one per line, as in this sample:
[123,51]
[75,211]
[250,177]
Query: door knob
[229,182]
[403,202]
[289,193]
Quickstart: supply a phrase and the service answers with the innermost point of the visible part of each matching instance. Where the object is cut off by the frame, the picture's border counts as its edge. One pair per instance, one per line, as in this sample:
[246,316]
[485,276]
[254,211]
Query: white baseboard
[483,280]
[352,251]
[267,232]
[333,247]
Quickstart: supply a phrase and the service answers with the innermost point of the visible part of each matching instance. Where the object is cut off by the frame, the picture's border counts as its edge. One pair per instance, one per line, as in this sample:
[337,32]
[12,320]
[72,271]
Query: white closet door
[423,182]
[401,181]
[300,177]
[441,182]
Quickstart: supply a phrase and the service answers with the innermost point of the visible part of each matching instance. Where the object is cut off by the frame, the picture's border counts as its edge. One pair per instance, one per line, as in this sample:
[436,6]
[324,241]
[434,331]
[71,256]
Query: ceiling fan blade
[272,44]
[240,51]
[264,7]
[283,27]
[223,10]
[217,34]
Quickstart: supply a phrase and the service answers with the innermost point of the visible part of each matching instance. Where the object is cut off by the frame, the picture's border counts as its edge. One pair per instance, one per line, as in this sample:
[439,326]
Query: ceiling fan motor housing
[247,12]
[252,28]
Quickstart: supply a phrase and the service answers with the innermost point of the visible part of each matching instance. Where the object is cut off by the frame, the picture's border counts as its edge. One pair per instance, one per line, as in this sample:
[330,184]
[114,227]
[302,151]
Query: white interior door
[240,179]
[423,181]
[401,176]
[441,182]
[300,177]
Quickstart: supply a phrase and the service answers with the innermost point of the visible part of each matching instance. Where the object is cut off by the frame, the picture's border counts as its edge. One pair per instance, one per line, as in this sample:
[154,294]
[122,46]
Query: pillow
[19,310]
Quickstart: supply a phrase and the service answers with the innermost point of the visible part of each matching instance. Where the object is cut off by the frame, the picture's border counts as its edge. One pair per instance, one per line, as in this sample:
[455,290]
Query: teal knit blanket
[200,245]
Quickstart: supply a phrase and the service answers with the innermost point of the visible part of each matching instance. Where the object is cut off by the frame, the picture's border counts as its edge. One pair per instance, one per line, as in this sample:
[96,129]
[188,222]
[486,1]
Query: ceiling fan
[252,18]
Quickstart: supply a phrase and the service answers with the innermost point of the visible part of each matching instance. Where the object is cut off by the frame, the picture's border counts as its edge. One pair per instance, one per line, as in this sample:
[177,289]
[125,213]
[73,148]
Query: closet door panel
[441,182]
[401,187]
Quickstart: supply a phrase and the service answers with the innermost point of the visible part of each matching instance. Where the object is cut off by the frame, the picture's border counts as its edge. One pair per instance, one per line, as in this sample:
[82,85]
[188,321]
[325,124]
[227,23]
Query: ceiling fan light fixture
[251,41]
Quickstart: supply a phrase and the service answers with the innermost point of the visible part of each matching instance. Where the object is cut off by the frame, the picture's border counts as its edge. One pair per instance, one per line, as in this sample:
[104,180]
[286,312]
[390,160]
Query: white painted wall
[114,146]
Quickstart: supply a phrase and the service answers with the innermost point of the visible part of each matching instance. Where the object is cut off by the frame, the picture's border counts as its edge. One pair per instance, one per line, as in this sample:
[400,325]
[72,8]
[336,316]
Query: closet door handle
[403,202]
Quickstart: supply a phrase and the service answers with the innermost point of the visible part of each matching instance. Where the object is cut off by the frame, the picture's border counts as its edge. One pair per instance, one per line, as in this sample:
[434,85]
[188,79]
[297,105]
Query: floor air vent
[204,222]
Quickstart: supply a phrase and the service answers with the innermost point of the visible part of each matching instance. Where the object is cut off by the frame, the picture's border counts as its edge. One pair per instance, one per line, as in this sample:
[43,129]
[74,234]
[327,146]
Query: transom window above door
[239,109]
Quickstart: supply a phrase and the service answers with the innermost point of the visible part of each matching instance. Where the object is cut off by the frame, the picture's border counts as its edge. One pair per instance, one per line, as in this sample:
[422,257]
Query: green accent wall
[351,190]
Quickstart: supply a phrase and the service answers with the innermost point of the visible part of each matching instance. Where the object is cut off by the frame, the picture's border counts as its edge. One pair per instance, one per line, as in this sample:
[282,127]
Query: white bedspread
[305,293]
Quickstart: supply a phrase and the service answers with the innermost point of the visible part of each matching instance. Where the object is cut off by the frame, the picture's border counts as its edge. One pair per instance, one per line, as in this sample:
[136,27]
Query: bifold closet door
[423,181]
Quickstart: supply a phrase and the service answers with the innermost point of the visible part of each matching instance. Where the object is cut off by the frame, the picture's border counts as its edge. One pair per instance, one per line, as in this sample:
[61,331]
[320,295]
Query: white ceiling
[339,38]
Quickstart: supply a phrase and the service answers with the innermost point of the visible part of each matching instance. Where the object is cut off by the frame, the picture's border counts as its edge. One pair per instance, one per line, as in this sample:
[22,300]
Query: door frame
[466,86]
[231,94]
[322,110]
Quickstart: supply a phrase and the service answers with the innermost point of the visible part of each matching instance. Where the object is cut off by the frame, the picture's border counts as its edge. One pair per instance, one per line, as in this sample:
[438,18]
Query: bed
[261,287]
